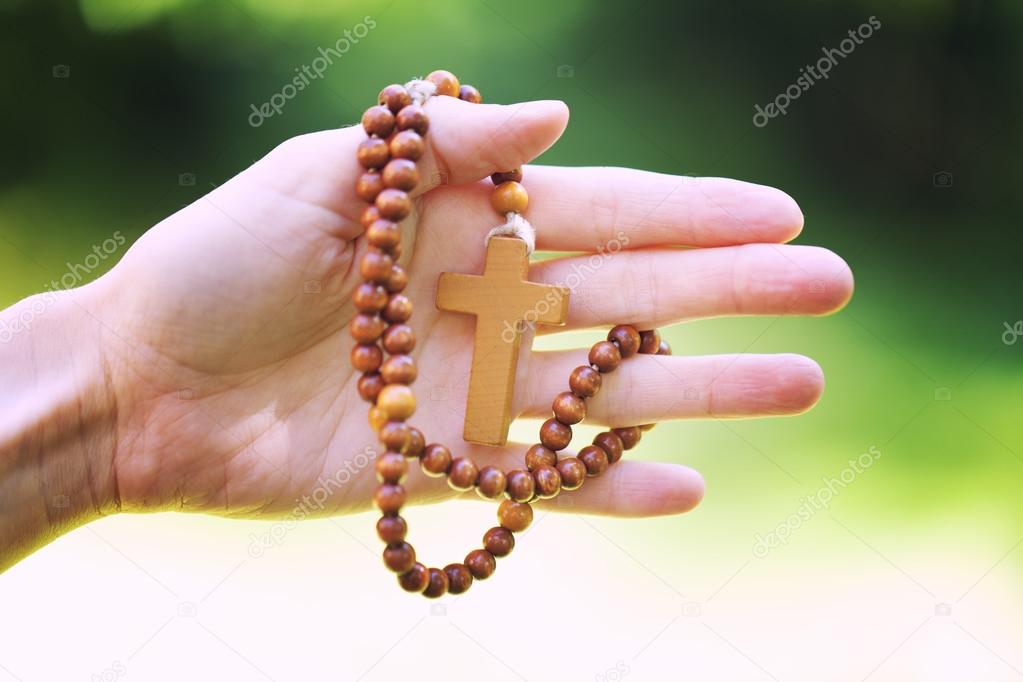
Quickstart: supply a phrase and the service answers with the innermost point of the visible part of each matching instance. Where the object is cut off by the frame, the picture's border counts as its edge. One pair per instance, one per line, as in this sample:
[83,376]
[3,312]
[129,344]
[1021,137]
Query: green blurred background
[906,161]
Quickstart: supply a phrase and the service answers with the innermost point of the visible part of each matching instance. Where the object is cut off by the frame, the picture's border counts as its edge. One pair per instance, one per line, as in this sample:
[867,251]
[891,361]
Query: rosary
[499,299]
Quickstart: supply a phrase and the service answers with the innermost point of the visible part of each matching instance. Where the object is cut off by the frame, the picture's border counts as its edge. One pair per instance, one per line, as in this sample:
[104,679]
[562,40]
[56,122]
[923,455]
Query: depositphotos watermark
[579,274]
[309,504]
[307,73]
[76,273]
[810,505]
[811,75]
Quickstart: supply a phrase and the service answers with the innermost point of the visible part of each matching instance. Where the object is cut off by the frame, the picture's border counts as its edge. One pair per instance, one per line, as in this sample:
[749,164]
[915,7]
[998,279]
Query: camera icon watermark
[565,71]
[439,610]
[817,286]
[942,609]
[943,393]
[691,393]
[942,179]
[312,286]
[61,71]
[692,609]
[187,609]
[186,179]
[61,502]
[186,394]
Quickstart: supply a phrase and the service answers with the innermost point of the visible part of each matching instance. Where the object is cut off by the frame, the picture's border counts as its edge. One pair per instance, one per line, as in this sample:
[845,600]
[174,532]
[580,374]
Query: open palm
[225,326]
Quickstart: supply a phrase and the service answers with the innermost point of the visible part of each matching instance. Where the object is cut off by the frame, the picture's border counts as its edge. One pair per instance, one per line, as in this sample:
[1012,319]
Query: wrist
[58,418]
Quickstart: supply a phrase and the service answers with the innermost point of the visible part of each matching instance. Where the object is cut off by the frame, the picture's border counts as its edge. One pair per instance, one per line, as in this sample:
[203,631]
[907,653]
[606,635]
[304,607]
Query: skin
[209,372]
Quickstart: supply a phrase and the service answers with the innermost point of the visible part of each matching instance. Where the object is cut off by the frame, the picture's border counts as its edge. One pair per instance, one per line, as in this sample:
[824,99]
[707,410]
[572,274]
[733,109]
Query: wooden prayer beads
[395,128]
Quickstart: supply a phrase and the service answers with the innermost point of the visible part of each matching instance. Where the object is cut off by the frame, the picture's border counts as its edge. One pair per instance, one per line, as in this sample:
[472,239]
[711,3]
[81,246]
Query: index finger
[587,209]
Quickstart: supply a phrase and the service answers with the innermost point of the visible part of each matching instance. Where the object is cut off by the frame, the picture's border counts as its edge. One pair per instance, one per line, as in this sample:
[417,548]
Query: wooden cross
[502,301]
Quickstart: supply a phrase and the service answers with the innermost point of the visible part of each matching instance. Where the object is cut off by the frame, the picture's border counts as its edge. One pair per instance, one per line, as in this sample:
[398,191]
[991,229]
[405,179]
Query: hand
[225,327]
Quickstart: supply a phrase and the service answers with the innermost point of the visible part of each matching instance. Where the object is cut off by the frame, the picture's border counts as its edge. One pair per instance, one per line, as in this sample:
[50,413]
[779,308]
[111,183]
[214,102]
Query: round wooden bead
[515,516]
[398,279]
[594,459]
[480,563]
[407,144]
[366,328]
[521,486]
[395,436]
[462,475]
[399,338]
[368,215]
[416,579]
[539,456]
[369,386]
[569,408]
[384,234]
[399,369]
[509,197]
[400,557]
[604,356]
[391,467]
[375,266]
[400,174]
[555,435]
[459,578]
[584,381]
[389,498]
[399,308]
[499,541]
[393,204]
[649,341]
[369,297]
[491,483]
[373,153]
[435,460]
[378,121]
[416,442]
[625,337]
[397,400]
[413,117]
[395,97]
[548,482]
[573,473]
[367,357]
[609,442]
[446,82]
[630,436]
[376,418]
[514,175]
[369,186]
[391,529]
[438,585]
[467,93]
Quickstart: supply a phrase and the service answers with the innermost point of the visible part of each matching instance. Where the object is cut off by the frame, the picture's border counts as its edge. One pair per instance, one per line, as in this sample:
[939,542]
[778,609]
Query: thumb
[467,142]
[464,143]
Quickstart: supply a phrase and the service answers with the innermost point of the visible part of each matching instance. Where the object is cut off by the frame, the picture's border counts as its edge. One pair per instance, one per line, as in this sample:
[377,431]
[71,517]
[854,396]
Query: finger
[465,142]
[627,488]
[652,388]
[583,209]
[631,489]
[656,287]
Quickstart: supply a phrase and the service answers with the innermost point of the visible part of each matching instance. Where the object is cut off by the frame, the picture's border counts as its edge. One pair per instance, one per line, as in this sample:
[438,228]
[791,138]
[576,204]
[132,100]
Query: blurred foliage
[158,91]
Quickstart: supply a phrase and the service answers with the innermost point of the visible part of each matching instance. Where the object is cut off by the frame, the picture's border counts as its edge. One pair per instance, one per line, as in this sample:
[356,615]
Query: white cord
[516,226]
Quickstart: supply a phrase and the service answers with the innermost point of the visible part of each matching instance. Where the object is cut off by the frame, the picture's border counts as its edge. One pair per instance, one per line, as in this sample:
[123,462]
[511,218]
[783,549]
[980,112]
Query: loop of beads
[395,128]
